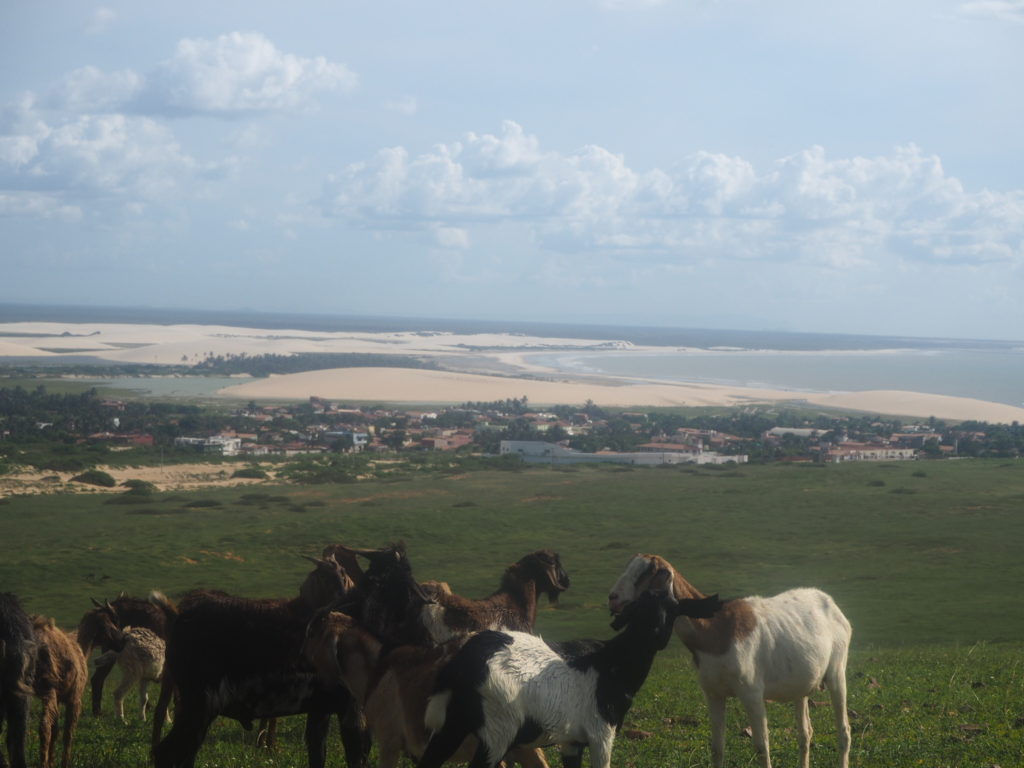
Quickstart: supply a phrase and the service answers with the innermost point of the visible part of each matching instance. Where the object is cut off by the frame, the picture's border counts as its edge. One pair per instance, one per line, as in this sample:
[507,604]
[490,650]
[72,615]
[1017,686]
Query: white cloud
[835,212]
[89,89]
[407,105]
[452,237]
[100,21]
[35,205]
[85,158]
[1001,10]
[241,73]
[238,73]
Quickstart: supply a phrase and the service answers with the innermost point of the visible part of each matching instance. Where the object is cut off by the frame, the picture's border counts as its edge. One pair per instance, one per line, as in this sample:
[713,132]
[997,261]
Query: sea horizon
[641,335]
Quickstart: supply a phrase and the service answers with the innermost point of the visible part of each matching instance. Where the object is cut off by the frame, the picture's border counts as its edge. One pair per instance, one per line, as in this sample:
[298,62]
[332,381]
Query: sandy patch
[178,477]
[445,387]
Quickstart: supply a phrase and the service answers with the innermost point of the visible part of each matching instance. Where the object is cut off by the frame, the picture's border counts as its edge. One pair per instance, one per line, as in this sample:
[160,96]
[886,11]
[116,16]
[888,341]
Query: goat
[510,688]
[512,607]
[101,626]
[401,611]
[17,676]
[391,600]
[61,674]
[392,687]
[241,658]
[758,648]
[140,656]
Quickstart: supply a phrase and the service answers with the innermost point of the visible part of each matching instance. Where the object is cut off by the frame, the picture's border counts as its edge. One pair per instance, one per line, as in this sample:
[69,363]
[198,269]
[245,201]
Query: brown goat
[392,687]
[61,675]
[512,607]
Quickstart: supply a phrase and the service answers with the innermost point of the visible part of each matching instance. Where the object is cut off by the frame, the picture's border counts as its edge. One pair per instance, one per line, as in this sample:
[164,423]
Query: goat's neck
[359,657]
[701,635]
[622,664]
[520,594]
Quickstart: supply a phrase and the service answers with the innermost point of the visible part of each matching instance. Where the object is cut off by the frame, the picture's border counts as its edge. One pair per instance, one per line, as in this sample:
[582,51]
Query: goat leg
[103,669]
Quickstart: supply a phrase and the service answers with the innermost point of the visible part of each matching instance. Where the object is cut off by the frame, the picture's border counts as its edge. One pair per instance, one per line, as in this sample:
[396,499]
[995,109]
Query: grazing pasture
[923,558]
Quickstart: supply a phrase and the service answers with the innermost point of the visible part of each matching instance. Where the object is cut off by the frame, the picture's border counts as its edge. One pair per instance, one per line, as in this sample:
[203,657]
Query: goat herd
[419,670]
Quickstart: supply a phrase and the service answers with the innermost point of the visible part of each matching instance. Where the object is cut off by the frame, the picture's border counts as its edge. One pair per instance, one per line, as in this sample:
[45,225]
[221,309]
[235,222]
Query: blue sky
[787,165]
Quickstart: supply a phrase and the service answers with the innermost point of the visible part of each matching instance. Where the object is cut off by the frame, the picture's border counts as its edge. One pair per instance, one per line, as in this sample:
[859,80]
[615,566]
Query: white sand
[174,344]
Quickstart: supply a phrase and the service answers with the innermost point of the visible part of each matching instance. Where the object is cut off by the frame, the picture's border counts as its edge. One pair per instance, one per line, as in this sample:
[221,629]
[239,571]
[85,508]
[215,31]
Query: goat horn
[96,602]
[359,551]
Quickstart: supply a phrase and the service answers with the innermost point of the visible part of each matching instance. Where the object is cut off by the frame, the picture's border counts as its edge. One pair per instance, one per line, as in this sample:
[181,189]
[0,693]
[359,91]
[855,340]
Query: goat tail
[161,601]
[163,703]
[437,711]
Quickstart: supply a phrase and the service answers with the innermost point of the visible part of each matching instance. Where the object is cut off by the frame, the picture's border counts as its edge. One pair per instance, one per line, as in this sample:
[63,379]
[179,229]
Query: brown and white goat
[61,675]
[512,607]
[101,626]
[757,648]
[141,660]
[392,687]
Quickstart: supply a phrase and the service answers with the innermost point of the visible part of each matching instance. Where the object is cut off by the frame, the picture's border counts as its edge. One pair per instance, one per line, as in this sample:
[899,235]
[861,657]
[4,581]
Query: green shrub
[95,477]
[138,487]
[202,504]
[254,473]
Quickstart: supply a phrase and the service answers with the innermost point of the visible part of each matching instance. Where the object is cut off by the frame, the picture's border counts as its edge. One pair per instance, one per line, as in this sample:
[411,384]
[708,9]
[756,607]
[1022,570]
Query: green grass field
[924,558]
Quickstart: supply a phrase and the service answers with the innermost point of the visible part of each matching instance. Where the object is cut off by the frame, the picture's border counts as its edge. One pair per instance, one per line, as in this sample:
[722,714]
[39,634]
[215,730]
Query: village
[67,432]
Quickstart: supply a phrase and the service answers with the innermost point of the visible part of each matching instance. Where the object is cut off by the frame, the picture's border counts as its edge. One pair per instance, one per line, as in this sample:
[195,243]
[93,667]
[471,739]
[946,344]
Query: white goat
[512,689]
[141,660]
[780,648]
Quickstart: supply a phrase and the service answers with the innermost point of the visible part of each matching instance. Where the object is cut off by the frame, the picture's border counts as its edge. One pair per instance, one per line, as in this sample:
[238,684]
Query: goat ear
[700,608]
[96,602]
[661,581]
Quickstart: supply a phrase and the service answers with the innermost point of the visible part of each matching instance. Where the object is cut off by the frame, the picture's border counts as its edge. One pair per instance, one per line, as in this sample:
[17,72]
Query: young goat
[17,674]
[241,658]
[141,659]
[392,687]
[61,675]
[512,607]
[101,627]
[512,689]
[780,648]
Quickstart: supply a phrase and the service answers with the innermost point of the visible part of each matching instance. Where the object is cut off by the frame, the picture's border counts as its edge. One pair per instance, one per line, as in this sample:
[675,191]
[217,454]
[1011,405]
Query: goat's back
[792,642]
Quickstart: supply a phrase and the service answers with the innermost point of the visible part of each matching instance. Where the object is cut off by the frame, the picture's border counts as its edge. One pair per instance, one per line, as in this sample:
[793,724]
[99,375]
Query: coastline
[476,367]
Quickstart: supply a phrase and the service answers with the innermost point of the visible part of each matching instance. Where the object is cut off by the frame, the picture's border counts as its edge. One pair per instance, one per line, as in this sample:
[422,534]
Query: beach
[472,368]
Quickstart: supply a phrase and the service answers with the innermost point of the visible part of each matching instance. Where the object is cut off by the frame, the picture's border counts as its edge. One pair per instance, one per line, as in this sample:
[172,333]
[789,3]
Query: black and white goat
[392,687]
[512,689]
[17,676]
[780,648]
[240,658]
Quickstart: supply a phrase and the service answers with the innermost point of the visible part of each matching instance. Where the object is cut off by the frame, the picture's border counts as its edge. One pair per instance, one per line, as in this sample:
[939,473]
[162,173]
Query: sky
[796,165]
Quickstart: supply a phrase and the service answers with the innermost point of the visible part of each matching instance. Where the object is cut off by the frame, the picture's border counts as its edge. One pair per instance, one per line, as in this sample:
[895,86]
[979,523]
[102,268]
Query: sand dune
[176,344]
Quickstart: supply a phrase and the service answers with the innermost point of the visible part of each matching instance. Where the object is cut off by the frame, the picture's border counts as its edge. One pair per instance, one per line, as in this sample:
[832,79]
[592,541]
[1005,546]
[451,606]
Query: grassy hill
[924,558]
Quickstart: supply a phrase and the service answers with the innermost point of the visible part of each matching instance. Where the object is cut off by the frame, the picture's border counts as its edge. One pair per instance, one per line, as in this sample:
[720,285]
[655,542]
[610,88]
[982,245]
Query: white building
[227,446]
[538,452]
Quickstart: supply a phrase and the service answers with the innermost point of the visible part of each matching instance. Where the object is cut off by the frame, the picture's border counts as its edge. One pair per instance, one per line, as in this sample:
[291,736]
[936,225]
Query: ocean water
[985,373]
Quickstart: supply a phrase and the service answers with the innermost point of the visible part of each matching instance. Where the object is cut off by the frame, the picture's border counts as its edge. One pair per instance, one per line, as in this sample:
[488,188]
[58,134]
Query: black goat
[101,627]
[17,675]
[240,658]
